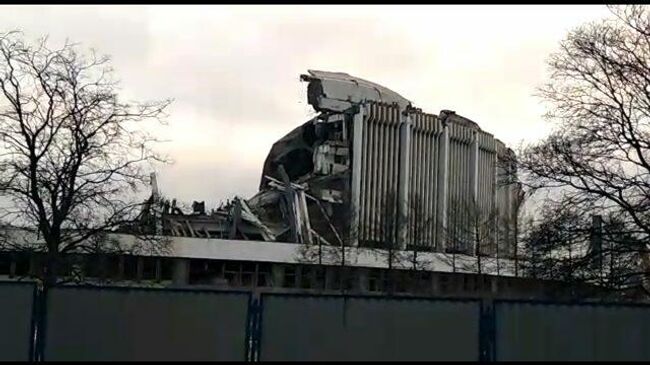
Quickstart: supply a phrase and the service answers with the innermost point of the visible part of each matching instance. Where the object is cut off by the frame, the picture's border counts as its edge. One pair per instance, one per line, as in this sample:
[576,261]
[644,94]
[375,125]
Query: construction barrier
[529,331]
[334,328]
[121,324]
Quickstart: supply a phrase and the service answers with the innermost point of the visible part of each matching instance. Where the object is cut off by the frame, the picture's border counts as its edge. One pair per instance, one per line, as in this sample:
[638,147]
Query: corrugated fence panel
[548,332]
[139,324]
[16,303]
[335,328]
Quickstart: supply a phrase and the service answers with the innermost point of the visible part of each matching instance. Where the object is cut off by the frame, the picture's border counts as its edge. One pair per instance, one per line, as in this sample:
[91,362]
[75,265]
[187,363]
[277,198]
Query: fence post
[250,332]
[33,324]
[487,331]
[253,331]
[39,318]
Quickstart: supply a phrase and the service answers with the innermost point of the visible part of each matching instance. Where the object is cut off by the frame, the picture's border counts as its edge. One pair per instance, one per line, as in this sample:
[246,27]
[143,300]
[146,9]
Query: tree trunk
[49,281]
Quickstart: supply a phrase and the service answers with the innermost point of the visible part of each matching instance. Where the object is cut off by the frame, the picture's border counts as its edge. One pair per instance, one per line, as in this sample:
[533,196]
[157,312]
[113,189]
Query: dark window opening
[232,278]
[444,283]
[247,279]
[130,267]
[319,278]
[113,267]
[350,279]
[5,263]
[334,282]
[22,265]
[206,271]
[376,280]
[487,283]
[402,281]
[306,277]
[263,279]
[166,269]
[263,274]
[232,273]
[149,268]
[423,282]
[93,266]
[289,280]
[248,274]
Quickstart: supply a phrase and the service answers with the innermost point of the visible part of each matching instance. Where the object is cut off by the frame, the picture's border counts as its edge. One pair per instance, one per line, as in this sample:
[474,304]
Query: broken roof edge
[338,91]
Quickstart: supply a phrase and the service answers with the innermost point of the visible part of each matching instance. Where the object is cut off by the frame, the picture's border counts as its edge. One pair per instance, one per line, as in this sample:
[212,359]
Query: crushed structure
[369,171]
[372,170]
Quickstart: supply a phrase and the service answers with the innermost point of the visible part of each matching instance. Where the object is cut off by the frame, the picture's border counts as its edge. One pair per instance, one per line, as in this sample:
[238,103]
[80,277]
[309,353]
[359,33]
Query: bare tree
[565,244]
[471,231]
[598,94]
[598,156]
[386,246]
[421,232]
[73,154]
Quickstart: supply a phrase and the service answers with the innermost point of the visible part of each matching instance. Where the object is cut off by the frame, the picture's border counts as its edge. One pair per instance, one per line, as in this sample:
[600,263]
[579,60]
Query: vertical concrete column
[473,178]
[473,172]
[507,236]
[357,144]
[404,178]
[495,202]
[443,186]
[181,274]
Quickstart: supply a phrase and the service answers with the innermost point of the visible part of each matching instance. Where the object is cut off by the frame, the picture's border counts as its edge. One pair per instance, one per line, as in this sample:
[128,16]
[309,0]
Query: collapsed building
[369,173]
[372,170]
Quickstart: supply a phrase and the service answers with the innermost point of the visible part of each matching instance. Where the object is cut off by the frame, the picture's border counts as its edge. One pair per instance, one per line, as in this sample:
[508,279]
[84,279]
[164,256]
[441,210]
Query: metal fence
[16,327]
[108,323]
[128,324]
[529,331]
[335,328]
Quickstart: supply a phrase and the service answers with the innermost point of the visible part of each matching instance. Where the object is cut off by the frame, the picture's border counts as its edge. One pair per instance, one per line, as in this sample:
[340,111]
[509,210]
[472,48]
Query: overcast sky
[233,71]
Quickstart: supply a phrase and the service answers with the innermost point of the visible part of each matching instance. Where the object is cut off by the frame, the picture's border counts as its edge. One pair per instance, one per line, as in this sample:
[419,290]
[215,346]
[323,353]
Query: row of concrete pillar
[416,152]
